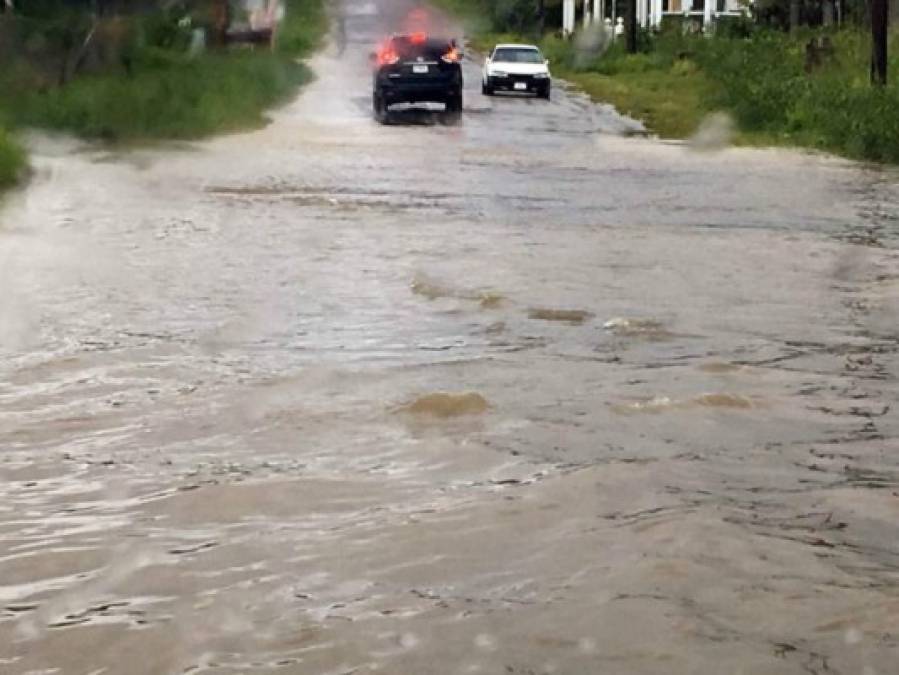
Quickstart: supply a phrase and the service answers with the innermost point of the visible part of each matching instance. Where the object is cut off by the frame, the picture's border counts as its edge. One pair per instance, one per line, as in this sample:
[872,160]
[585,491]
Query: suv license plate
[419,69]
[521,85]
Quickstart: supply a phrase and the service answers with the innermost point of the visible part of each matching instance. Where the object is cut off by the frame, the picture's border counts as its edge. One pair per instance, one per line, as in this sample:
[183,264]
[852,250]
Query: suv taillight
[387,56]
[452,56]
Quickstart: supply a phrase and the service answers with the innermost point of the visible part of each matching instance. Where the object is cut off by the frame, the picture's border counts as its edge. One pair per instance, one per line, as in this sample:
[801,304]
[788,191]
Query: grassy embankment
[12,159]
[758,76]
[158,90]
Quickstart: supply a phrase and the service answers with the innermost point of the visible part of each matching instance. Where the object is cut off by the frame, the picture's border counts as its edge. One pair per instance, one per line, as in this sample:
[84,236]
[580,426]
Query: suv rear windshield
[517,55]
[409,47]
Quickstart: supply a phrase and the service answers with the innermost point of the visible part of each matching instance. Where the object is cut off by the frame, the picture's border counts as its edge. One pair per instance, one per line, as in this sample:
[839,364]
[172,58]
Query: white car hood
[517,68]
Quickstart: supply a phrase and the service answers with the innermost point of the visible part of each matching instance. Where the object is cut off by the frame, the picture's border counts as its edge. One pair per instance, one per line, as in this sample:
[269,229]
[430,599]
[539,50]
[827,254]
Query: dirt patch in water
[575,317]
[433,290]
[446,405]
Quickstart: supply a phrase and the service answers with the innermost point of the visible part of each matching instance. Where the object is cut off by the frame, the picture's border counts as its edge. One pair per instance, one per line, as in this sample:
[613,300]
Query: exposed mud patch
[434,290]
[446,405]
[574,317]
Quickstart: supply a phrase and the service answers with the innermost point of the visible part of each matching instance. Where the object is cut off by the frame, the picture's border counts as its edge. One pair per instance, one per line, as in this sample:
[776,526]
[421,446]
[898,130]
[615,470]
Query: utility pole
[630,26]
[880,15]
[221,17]
[568,13]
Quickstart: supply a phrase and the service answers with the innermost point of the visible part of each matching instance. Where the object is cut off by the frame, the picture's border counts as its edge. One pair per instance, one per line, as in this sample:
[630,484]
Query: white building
[650,13]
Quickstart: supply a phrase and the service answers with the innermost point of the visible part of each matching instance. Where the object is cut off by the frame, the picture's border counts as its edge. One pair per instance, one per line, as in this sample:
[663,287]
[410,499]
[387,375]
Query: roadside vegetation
[12,159]
[142,74]
[763,77]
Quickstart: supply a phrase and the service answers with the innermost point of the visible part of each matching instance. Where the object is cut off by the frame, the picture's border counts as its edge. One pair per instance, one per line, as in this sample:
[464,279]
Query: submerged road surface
[524,395]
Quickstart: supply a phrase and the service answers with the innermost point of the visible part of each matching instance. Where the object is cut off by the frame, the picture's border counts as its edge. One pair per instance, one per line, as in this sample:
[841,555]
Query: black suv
[416,68]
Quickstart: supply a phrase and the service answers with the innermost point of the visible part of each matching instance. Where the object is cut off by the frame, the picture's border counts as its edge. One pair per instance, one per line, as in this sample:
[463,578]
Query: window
[517,55]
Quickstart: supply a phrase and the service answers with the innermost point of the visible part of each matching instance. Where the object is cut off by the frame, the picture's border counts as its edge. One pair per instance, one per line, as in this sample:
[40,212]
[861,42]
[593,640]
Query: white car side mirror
[546,63]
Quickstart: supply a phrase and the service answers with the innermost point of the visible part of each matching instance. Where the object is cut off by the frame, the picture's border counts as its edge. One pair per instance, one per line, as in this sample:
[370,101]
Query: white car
[513,67]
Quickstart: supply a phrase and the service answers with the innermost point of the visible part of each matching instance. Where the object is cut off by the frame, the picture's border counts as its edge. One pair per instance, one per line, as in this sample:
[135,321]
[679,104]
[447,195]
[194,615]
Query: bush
[559,51]
[12,159]
[514,15]
[857,120]
[303,27]
[761,79]
[735,27]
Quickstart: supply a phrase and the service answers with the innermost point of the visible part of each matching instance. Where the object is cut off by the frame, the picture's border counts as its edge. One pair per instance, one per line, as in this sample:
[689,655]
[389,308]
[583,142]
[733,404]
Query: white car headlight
[496,73]
[541,75]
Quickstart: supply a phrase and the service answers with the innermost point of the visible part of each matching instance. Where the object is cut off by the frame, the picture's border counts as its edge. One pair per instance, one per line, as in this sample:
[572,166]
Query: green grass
[166,93]
[670,105]
[12,159]
[303,28]
[170,98]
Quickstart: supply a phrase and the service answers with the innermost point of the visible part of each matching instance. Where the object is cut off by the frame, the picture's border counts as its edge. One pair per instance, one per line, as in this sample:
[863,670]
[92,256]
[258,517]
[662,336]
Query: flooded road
[524,395]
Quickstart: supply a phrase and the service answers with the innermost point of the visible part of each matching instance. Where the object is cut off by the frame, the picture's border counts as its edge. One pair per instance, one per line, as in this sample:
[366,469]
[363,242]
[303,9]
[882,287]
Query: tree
[879,28]
[221,17]
[794,14]
[630,26]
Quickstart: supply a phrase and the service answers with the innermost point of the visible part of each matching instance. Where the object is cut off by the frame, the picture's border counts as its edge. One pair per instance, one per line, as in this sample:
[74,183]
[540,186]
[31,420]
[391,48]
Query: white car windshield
[517,55]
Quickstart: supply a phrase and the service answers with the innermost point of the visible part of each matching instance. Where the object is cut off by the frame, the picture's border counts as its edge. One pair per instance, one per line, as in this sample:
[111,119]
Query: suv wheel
[486,89]
[379,108]
[453,108]
[543,92]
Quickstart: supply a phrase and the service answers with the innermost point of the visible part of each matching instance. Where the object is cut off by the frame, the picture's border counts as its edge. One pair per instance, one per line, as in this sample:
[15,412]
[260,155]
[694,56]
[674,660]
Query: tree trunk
[827,13]
[794,14]
[220,20]
[879,23]
[630,26]
[541,17]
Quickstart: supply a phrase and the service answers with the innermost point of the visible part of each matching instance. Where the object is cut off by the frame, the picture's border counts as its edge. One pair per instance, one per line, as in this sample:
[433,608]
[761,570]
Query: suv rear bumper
[418,90]
[418,93]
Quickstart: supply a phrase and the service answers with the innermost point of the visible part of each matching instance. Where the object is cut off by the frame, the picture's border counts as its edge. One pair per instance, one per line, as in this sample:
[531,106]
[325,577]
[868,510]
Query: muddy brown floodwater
[526,395]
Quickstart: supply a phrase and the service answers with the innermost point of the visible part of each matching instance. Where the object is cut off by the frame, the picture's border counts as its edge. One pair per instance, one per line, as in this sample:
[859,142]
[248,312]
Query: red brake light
[387,55]
[452,56]
[418,38]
